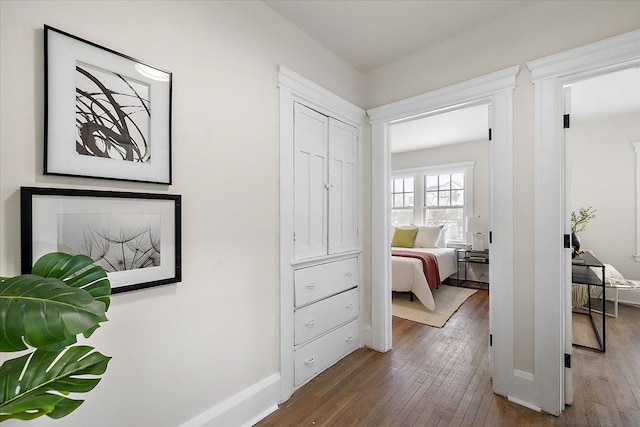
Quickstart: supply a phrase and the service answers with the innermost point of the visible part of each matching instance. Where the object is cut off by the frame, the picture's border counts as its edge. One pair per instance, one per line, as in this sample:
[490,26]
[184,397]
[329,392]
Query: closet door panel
[343,194]
[310,181]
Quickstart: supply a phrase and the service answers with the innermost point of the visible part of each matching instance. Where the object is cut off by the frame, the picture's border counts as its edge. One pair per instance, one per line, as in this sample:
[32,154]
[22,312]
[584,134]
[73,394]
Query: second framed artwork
[107,115]
[135,237]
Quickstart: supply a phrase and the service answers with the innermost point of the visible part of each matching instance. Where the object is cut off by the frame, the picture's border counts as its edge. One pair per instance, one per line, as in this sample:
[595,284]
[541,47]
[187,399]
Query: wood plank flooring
[439,377]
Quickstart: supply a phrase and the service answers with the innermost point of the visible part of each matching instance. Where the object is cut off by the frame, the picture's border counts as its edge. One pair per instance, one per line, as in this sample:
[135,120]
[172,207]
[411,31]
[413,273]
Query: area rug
[448,300]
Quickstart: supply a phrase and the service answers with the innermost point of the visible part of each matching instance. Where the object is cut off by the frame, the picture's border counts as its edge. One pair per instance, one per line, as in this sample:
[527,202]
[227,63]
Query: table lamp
[478,226]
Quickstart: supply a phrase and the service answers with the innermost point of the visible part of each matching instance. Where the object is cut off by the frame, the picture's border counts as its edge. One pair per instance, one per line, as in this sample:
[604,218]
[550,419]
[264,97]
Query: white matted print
[135,237]
[107,115]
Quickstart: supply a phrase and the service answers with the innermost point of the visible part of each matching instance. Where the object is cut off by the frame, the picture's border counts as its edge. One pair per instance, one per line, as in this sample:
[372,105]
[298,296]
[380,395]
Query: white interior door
[310,182]
[568,331]
[343,197]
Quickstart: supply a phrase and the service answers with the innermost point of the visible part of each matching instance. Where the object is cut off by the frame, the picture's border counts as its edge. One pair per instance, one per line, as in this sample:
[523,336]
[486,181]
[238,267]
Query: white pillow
[428,237]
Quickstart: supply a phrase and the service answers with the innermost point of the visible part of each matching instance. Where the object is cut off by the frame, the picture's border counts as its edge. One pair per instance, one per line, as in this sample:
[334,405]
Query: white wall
[603,176]
[178,350]
[541,30]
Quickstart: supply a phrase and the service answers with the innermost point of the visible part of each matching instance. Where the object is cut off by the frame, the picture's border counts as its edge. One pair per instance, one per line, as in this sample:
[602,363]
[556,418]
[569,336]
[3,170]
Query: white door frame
[549,75]
[496,89]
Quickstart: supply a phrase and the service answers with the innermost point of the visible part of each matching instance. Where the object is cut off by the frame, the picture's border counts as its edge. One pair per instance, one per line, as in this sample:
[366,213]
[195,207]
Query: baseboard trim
[244,408]
[524,403]
[367,335]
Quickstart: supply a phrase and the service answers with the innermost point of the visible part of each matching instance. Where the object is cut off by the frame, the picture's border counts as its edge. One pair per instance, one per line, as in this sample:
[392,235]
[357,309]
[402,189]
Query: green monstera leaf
[65,296]
[38,384]
[44,313]
[77,271]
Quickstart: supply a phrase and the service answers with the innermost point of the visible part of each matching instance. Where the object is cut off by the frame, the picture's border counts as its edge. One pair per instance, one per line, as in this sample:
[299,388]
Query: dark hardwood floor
[439,377]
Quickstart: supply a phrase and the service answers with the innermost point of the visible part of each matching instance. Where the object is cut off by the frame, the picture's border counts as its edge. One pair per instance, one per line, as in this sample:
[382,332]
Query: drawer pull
[348,274]
[349,306]
[311,286]
[310,323]
[310,360]
[349,338]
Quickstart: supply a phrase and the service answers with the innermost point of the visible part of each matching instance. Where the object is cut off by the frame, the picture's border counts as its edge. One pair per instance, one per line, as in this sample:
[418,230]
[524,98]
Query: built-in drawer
[318,355]
[320,281]
[317,318]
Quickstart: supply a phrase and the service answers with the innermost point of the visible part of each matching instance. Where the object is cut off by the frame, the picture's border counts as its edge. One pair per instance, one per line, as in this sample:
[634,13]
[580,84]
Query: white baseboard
[524,403]
[244,408]
[367,334]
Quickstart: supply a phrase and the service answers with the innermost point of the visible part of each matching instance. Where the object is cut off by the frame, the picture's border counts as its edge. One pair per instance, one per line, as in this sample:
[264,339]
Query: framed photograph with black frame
[107,115]
[135,237]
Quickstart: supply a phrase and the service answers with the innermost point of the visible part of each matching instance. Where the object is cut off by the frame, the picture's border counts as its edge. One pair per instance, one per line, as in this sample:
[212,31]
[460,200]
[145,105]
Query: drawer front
[318,355]
[320,281]
[317,318]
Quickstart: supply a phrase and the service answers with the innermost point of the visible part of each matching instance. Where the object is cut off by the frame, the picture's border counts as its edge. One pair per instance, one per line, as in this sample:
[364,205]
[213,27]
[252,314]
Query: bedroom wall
[543,29]
[178,350]
[476,151]
[603,175]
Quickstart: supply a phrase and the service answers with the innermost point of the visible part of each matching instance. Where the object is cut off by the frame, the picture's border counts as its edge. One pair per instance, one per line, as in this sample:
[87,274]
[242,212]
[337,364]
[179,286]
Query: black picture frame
[135,236]
[117,108]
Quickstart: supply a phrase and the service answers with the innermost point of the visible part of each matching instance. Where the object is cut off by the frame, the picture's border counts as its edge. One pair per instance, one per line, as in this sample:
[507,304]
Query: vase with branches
[579,221]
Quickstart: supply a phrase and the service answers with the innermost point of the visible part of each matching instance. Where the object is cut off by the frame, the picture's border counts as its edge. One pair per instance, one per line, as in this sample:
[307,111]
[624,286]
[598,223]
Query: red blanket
[429,265]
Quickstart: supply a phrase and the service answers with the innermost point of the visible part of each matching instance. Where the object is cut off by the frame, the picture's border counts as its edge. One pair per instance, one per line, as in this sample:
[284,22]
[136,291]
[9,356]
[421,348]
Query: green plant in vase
[579,221]
[44,312]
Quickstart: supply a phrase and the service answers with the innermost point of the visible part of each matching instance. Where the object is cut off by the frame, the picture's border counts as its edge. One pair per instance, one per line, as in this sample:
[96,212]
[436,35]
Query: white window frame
[393,193]
[418,175]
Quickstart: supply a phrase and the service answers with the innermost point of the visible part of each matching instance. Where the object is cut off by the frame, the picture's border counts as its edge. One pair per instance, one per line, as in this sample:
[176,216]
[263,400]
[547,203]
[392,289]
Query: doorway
[553,260]
[495,90]
[601,197]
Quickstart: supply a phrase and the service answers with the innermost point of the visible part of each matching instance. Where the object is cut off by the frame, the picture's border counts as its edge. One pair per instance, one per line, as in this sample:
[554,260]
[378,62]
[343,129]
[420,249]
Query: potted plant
[44,312]
[579,221]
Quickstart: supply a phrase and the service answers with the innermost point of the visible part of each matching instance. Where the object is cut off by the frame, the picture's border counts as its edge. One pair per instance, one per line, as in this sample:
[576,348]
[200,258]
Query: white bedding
[407,274]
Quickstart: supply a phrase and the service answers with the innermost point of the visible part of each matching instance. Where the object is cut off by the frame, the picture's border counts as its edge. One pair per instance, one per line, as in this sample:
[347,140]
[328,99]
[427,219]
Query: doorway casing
[552,261]
[497,90]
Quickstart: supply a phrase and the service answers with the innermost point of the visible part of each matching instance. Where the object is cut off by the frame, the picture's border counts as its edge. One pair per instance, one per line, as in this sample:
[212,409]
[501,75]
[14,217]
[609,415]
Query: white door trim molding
[636,147]
[549,75]
[296,88]
[497,89]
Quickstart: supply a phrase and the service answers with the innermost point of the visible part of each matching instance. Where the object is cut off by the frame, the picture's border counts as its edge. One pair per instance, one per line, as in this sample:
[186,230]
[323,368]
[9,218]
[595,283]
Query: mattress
[407,274]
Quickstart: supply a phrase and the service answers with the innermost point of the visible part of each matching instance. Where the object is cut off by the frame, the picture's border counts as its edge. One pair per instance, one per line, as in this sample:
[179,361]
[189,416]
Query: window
[434,196]
[444,203]
[402,200]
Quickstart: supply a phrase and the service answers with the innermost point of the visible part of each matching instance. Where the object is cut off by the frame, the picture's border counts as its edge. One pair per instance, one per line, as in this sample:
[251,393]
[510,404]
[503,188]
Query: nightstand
[467,256]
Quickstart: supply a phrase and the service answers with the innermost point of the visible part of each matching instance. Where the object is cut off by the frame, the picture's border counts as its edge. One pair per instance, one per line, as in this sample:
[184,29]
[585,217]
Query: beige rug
[448,300]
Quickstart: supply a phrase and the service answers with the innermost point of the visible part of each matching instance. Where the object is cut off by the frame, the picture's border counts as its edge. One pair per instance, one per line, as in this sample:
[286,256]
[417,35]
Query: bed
[408,274]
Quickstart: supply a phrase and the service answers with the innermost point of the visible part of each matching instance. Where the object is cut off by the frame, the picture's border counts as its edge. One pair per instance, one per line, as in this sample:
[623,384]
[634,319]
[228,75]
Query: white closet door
[343,194]
[310,182]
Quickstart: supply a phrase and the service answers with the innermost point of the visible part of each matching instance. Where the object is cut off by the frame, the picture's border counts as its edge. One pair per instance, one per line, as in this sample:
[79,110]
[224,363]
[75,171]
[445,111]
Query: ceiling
[466,125]
[369,34]
[608,95]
